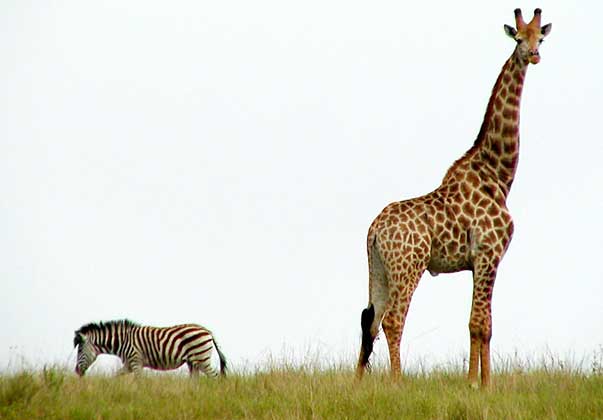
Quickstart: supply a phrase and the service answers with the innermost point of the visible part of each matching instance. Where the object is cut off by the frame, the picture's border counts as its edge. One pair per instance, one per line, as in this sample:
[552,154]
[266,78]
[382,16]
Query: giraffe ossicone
[464,224]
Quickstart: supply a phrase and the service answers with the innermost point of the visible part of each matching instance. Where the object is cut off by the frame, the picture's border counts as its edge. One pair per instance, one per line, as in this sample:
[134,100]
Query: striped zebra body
[160,348]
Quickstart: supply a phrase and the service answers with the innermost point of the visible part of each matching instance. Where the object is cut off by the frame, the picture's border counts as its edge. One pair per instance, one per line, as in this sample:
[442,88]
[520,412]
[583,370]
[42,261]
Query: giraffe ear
[510,31]
[546,29]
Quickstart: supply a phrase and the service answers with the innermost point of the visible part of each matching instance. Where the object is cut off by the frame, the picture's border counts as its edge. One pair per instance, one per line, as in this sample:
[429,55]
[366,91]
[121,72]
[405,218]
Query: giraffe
[464,224]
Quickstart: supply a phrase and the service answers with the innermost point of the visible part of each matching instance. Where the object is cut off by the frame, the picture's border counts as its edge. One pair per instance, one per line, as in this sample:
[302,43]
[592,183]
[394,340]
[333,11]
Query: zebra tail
[223,365]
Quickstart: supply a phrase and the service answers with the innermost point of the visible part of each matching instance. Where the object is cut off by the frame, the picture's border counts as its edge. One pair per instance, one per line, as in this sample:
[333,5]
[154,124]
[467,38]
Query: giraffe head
[528,36]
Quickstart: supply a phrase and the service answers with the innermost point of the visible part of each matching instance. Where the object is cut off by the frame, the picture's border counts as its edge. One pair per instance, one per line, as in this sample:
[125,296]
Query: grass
[303,393]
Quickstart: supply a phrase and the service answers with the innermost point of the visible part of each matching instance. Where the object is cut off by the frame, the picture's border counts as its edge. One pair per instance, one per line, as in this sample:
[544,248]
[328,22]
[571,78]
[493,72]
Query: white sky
[220,163]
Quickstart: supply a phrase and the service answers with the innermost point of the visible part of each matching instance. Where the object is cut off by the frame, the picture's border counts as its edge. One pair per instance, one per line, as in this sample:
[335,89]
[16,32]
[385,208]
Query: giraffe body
[464,224]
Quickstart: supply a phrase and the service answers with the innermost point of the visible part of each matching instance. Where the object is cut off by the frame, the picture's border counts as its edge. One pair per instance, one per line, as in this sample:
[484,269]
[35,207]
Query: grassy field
[301,393]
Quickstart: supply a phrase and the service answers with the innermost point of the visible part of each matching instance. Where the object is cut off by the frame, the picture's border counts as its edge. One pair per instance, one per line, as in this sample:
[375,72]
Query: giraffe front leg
[480,326]
[474,352]
[480,330]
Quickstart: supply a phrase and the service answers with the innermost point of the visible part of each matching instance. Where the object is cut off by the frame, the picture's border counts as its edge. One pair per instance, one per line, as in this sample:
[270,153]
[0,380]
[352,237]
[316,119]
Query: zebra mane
[99,326]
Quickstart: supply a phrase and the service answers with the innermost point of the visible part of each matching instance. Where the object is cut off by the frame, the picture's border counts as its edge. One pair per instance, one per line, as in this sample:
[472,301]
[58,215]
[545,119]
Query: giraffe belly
[443,262]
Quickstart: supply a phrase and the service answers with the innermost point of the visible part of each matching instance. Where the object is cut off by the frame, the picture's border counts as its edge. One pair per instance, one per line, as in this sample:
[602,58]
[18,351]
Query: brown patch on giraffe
[473,179]
[497,122]
[465,189]
[452,248]
[509,130]
[496,148]
[475,196]
[488,190]
[464,220]
[483,202]
[510,147]
[490,159]
[492,210]
[474,166]
[500,233]
[439,217]
[509,163]
[509,113]
[468,208]
[415,238]
[498,104]
[486,222]
[456,231]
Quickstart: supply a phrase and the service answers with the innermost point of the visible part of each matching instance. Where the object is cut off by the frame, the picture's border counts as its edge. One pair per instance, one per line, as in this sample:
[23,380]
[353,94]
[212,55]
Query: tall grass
[284,391]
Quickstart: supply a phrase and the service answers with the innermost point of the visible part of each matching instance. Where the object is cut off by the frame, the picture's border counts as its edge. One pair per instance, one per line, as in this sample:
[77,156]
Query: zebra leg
[131,365]
[193,369]
[202,365]
[207,368]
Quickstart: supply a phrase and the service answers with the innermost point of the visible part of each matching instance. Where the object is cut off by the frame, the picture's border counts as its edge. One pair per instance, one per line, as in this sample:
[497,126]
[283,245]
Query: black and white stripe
[161,348]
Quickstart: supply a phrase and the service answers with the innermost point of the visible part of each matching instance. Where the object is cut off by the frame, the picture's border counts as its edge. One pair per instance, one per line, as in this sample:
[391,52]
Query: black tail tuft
[366,320]
[223,364]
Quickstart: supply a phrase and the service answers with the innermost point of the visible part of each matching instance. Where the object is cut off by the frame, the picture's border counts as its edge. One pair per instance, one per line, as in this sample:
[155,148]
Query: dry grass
[287,392]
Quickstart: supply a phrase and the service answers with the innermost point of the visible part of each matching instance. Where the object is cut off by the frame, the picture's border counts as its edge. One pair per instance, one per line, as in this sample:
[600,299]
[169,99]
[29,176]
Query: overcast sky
[220,163]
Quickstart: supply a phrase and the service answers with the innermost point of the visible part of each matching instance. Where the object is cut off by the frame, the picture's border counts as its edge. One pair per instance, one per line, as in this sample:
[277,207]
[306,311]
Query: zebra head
[86,352]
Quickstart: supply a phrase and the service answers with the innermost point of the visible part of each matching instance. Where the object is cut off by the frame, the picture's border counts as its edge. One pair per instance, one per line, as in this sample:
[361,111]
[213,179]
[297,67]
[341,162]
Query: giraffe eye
[540,41]
[518,40]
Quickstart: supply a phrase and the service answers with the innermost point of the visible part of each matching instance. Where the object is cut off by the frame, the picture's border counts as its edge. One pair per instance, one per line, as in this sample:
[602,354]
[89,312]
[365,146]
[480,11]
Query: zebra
[160,348]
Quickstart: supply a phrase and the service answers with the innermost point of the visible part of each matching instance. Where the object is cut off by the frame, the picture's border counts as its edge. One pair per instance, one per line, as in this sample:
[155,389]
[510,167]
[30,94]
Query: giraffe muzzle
[534,57]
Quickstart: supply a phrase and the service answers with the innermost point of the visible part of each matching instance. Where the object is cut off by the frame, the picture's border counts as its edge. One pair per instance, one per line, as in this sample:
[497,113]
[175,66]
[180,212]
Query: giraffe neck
[497,144]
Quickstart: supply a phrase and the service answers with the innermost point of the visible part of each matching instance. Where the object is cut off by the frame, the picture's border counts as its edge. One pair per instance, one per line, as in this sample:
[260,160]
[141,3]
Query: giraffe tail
[366,321]
[378,296]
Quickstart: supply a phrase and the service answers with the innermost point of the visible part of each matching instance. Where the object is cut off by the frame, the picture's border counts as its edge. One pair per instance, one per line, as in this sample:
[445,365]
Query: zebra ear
[78,339]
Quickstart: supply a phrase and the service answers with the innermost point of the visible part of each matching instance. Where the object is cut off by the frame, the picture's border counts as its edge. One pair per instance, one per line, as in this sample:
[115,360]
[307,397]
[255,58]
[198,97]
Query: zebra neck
[112,341]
